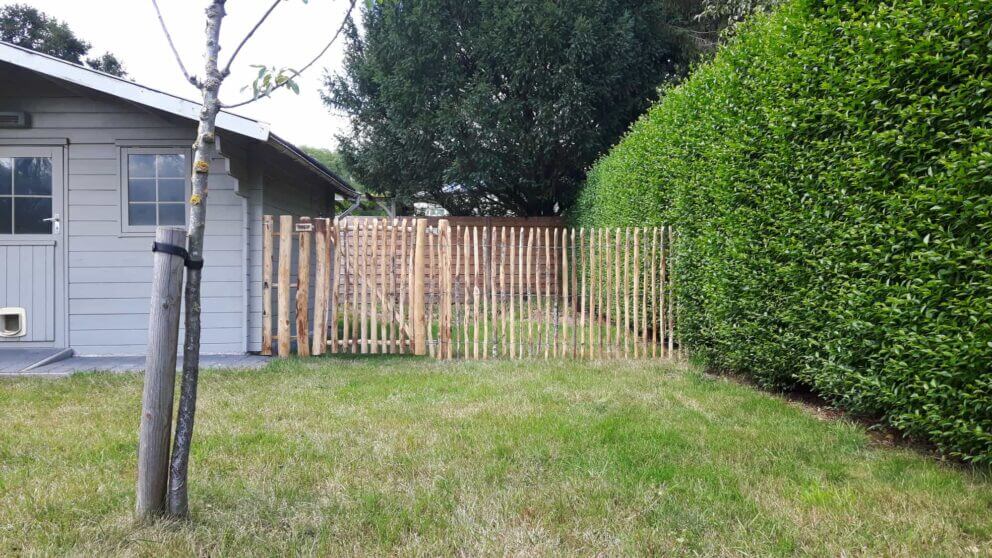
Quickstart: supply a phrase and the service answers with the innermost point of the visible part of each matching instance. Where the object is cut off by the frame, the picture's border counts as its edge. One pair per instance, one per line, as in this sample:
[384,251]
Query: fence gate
[420,286]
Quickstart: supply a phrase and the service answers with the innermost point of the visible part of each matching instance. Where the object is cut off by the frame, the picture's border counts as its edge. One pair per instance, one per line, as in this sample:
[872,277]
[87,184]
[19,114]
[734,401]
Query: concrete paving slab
[126,364]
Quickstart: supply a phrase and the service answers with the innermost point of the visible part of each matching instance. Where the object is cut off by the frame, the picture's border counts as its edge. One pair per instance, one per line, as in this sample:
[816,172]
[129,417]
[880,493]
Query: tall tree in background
[27,27]
[494,107]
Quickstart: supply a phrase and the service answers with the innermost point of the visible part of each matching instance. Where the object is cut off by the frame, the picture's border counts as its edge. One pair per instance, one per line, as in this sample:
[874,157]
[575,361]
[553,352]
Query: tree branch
[190,78]
[296,73]
[227,67]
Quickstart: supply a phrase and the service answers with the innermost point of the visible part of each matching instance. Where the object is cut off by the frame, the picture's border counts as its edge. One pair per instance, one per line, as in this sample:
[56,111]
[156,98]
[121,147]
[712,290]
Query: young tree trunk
[204,150]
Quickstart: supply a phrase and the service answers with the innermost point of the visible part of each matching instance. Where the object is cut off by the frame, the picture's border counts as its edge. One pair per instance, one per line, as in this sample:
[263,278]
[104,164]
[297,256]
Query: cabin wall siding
[109,272]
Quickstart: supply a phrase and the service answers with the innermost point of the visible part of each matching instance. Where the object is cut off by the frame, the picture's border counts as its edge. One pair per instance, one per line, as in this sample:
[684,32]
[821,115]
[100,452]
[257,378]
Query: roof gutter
[340,184]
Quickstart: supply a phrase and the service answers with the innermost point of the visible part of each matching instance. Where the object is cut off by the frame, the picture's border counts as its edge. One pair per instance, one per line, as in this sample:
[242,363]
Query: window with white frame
[155,187]
[25,195]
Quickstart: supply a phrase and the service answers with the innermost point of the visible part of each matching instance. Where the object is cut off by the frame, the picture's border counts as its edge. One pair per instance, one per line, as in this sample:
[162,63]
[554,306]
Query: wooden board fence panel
[474,291]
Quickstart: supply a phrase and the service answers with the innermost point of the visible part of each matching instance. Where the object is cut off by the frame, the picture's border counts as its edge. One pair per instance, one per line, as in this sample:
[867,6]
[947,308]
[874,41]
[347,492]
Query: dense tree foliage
[828,175]
[494,107]
[27,27]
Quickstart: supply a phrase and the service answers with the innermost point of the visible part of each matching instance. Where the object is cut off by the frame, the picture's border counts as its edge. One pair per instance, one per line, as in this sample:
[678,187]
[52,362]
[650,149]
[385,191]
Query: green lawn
[413,457]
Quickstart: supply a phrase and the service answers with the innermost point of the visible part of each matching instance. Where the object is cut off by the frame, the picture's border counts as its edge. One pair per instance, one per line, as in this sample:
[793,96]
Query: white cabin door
[32,273]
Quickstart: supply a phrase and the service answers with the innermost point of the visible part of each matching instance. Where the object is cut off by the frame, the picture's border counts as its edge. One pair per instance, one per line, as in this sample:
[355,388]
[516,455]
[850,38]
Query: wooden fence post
[267,285]
[417,311]
[160,376]
[285,262]
[303,290]
[322,288]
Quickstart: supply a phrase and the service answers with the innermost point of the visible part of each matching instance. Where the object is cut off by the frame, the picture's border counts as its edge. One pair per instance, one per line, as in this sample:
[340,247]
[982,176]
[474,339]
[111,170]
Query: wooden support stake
[285,262]
[593,283]
[160,376]
[267,223]
[323,285]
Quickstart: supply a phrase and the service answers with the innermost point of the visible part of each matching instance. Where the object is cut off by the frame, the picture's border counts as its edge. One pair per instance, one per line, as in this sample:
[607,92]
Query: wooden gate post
[303,289]
[285,247]
[267,226]
[160,376]
[444,240]
[322,251]
[417,312]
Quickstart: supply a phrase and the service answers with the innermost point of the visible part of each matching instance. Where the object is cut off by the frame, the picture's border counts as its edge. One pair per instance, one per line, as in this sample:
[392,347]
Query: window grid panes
[25,195]
[156,187]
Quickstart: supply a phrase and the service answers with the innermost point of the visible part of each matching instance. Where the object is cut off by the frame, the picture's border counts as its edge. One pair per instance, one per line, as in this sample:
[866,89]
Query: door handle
[56,222]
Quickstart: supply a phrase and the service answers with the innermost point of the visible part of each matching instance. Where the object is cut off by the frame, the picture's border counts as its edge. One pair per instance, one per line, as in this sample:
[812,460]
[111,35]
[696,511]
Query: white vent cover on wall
[13,322]
[14,119]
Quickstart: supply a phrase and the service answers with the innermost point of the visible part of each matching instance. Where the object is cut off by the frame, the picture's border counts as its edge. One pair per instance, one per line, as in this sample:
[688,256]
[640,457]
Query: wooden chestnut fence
[527,289]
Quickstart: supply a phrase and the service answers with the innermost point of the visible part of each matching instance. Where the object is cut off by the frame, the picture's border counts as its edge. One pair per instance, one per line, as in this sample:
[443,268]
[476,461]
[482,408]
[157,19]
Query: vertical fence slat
[322,287]
[285,264]
[608,291]
[502,290]
[417,296]
[547,291]
[654,292]
[671,298]
[514,266]
[335,240]
[404,337]
[444,240]
[538,297]
[566,302]
[492,317]
[346,271]
[529,316]
[636,279]
[267,285]
[303,290]
[539,290]
[373,281]
[582,295]
[476,330]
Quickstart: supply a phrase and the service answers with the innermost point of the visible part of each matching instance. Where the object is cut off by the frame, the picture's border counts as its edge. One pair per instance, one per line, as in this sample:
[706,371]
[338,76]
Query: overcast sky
[292,35]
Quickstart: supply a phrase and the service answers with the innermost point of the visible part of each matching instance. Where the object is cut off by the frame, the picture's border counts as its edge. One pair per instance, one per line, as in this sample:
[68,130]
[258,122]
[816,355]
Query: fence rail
[520,290]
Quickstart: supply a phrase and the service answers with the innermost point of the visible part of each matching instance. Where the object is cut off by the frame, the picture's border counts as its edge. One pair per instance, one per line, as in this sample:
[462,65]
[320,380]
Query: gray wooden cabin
[89,164]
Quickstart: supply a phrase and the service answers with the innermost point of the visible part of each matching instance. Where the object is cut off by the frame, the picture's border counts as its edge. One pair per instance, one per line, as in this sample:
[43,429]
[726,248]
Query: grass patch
[414,457]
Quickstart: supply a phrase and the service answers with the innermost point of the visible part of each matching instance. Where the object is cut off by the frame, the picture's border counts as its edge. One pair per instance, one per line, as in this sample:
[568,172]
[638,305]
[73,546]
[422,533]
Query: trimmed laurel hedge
[830,177]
